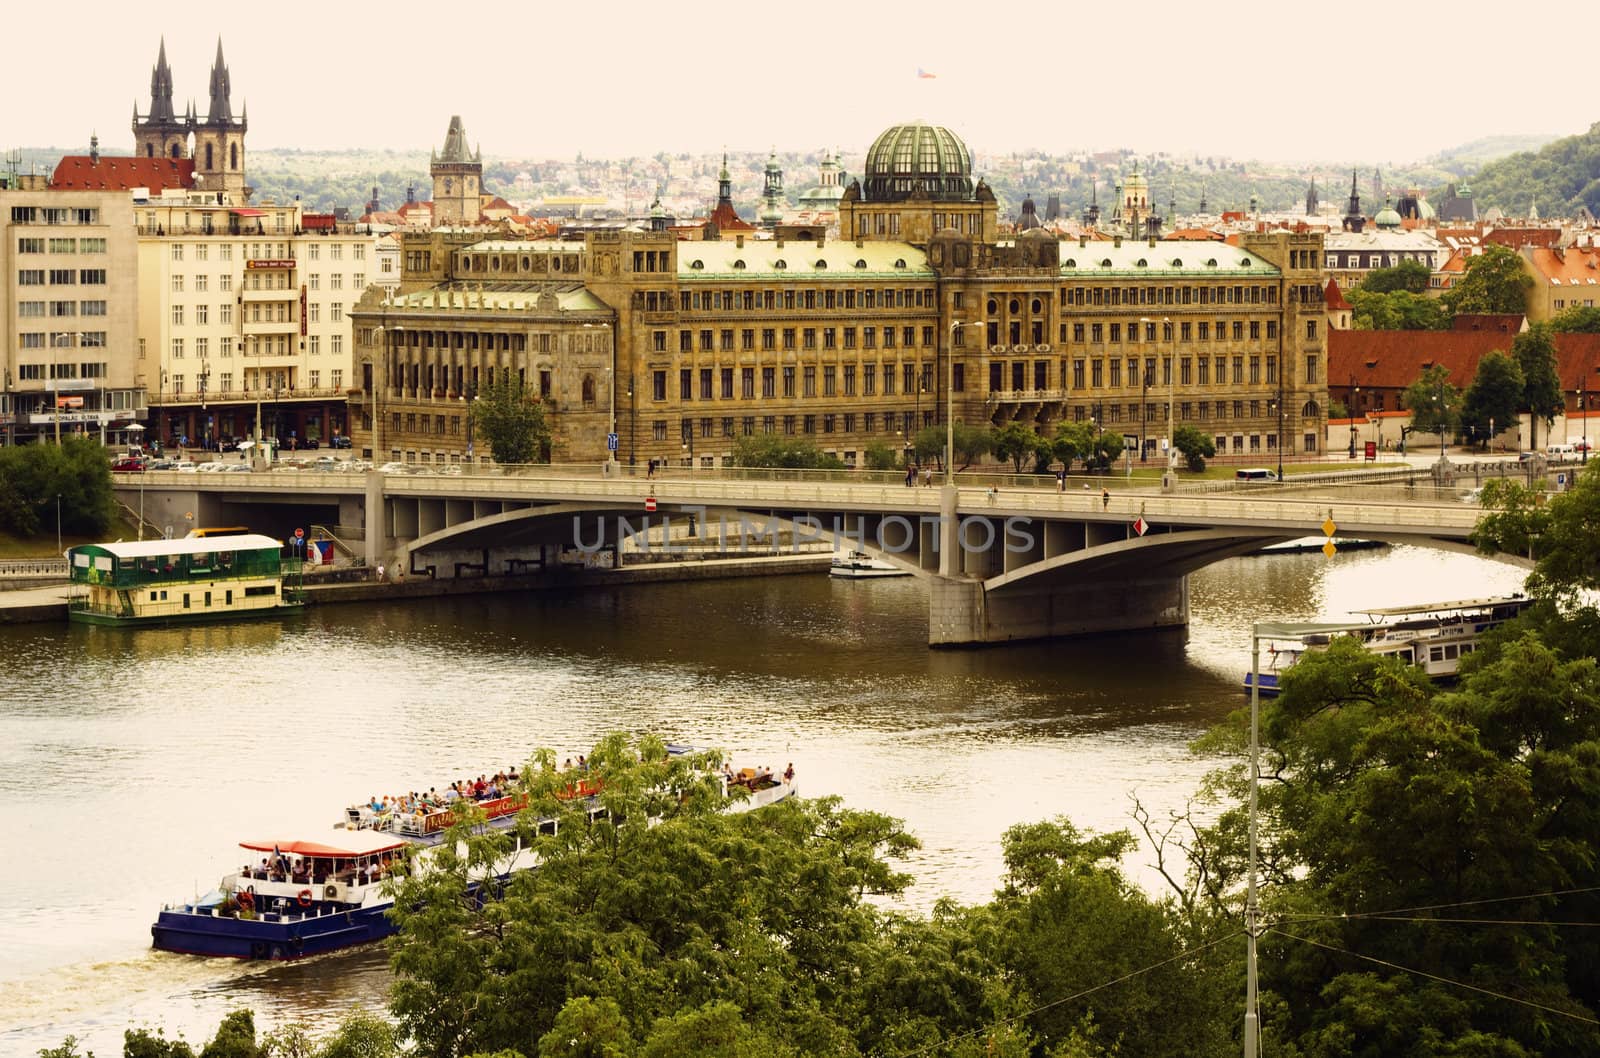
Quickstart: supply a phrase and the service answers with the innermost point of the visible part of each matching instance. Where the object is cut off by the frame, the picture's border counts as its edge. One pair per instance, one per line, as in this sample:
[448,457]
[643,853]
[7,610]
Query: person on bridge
[1105,499]
[911,474]
[1061,480]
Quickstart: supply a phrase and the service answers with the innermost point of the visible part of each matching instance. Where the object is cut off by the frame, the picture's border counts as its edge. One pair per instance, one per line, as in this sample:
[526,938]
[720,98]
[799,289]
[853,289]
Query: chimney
[1083,242]
[820,240]
[780,244]
[860,243]
[1116,242]
[1152,242]
[738,241]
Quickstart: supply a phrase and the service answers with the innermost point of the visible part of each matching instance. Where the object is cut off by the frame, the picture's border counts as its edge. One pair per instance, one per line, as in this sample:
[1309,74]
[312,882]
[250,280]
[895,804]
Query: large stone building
[920,307]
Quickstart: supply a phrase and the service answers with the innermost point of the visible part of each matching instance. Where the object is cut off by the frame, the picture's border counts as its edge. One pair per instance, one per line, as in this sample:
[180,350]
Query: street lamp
[1172,449]
[1440,412]
[950,409]
[611,453]
[1355,402]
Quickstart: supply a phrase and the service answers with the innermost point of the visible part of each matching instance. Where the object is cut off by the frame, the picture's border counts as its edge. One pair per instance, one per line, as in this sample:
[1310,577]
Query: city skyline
[1208,82]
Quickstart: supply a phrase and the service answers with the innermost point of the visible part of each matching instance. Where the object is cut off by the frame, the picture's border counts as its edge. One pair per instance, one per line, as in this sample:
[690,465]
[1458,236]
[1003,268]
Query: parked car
[129,465]
[310,443]
[339,442]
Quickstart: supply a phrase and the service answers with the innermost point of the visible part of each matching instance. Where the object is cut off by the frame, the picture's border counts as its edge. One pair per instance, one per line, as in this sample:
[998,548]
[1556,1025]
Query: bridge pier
[962,612]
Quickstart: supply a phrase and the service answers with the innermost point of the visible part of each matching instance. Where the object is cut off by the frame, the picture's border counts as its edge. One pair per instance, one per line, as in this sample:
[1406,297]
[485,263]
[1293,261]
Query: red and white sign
[299,534]
[69,402]
[268,262]
[650,505]
[1140,526]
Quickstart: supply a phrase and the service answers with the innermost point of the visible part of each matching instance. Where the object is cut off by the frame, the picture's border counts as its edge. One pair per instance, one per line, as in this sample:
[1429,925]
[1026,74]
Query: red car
[128,465]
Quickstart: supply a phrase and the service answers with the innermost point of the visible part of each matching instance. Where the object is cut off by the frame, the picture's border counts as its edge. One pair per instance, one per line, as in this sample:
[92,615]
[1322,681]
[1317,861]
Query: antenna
[13,163]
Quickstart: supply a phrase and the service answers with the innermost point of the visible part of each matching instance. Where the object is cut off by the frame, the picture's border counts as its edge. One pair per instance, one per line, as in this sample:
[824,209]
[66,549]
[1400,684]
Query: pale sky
[1349,80]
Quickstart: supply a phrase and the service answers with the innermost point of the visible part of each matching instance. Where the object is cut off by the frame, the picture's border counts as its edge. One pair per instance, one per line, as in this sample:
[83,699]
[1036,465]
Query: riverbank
[49,603]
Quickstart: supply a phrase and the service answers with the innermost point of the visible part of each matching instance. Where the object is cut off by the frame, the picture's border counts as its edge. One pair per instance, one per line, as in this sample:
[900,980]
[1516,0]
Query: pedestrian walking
[1105,499]
[380,572]
[911,474]
[927,477]
[1061,480]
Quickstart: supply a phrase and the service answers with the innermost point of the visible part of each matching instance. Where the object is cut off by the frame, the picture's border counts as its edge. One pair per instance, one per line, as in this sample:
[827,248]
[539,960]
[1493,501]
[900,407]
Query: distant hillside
[1559,177]
[1468,158]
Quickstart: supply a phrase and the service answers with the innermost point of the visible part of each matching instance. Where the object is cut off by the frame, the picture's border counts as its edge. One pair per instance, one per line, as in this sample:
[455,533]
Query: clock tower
[457,179]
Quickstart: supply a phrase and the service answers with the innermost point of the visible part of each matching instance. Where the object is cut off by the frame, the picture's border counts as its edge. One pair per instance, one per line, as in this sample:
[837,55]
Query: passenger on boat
[788,774]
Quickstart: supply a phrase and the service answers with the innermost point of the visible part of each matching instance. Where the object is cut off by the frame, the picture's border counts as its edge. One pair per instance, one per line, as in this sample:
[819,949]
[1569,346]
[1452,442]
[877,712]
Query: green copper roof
[793,260]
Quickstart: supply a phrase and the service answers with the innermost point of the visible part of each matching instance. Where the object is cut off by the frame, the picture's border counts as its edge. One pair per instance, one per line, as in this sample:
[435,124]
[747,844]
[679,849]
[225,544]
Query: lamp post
[950,409]
[688,441]
[1355,402]
[1172,449]
[1144,409]
[1441,411]
[470,399]
[58,523]
[611,454]
[633,419]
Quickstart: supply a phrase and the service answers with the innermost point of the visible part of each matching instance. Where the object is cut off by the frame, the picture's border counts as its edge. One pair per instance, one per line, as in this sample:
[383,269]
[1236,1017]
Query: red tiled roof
[726,219]
[497,203]
[1516,238]
[1394,359]
[80,172]
[1194,235]
[1576,266]
[1334,296]
[1501,323]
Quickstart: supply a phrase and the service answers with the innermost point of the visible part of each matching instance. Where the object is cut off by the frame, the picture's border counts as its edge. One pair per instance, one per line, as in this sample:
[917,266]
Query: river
[134,761]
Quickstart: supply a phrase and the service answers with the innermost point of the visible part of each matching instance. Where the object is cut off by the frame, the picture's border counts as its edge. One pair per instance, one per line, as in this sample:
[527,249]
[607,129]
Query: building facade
[918,311]
[69,297]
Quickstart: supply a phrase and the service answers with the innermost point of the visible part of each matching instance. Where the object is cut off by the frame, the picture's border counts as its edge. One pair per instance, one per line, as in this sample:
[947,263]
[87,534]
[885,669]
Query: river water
[132,762]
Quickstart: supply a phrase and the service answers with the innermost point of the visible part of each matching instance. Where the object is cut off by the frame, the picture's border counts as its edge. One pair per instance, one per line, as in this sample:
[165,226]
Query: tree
[972,444]
[32,476]
[1435,404]
[1579,319]
[1562,535]
[776,451]
[1018,442]
[1495,281]
[1535,353]
[661,903]
[1398,310]
[879,456]
[1073,441]
[1495,394]
[1409,276]
[511,419]
[1196,447]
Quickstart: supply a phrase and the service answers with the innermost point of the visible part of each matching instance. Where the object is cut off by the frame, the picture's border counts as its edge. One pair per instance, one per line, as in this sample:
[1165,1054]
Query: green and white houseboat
[194,579]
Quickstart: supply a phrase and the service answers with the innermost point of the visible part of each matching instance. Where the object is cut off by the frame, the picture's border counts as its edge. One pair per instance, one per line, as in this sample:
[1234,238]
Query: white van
[1562,451]
[1254,474]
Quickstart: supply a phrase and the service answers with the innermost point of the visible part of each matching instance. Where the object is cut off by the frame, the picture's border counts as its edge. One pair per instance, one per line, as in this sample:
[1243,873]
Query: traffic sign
[299,533]
[1140,526]
[612,442]
[650,505]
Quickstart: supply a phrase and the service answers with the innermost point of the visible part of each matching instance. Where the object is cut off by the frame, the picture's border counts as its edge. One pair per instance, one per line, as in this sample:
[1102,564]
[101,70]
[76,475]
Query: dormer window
[900,262]
[739,265]
[821,265]
[780,263]
[1106,263]
[861,262]
[697,264]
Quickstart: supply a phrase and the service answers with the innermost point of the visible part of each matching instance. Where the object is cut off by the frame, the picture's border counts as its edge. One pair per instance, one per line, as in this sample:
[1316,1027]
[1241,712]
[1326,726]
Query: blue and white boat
[297,897]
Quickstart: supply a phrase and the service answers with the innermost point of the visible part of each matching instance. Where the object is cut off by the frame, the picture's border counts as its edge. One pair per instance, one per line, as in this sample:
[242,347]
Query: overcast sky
[1356,80]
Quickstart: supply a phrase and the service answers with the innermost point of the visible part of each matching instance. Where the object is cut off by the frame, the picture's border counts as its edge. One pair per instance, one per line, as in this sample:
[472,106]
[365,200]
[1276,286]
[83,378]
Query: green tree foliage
[1195,446]
[786,453]
[1073,441]
[879,456]
[144,1043]
[1020,443]
[235,1038]
[1435,404]
[1410,276]
[32,476]
[588,1028]
[663,903]
[1398,310]
[509,416]
[1494,396]
[1494,281]
[1559,178]
[1579,319]
[1562,535]
[716,1030]
[1535,353]
[972,444]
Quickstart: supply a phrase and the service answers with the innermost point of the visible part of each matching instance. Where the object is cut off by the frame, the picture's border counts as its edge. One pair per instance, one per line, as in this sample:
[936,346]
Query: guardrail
[34,567]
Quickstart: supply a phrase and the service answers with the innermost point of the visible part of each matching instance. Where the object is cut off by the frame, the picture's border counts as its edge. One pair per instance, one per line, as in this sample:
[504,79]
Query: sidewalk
[27,605]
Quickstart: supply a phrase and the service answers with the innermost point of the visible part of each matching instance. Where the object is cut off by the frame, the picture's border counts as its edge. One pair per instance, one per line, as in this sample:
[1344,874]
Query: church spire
[221,111]
[161,89]
[724,183]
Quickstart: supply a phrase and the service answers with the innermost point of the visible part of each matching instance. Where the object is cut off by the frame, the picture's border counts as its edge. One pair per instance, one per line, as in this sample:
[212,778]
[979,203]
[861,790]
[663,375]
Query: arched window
[1310,411]
[993,306]
[1014,306]
[209,164]
[1142,263]
[149,150]
[861,262]
[1244,262]
[233,156]
[780,264]
[738,265]
[1037,306]
[899,262]
[1177,262]
[1071,262]
[821,265]
[1105,263]
[697,264]
[174,150]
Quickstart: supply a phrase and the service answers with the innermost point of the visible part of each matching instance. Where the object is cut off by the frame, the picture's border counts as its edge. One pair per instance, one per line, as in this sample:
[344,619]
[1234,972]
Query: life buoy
[304,899]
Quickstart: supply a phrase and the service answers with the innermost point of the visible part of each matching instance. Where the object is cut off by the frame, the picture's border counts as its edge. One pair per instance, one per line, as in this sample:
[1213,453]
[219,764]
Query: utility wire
[1186,953]
[1440,907]
[1443,980]
[1474,921]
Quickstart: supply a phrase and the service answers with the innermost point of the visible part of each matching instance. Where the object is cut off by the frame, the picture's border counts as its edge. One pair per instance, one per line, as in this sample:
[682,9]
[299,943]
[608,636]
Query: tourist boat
[171,581]
[1432,636]
[305,896]
[858,565]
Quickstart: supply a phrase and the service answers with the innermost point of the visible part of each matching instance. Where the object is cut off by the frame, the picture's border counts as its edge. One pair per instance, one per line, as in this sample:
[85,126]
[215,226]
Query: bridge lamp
[950,406]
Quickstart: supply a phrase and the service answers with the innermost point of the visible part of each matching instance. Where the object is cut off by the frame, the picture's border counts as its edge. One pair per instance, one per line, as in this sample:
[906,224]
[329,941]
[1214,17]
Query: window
[177,315]
[788,385]
[225,282]
[316,345]
[1311,332]
[336,312]
[1311,364]
[658,391]
[202,315]
[810,383]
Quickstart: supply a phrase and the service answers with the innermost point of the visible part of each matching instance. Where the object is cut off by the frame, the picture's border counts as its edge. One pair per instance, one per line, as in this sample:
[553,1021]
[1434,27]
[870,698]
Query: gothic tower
[1354,219]
[219,139]
[161,133]
[457,179]
[772,200]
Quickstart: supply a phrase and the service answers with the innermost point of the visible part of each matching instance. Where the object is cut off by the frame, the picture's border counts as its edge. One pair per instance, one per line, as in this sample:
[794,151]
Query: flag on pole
[924,75]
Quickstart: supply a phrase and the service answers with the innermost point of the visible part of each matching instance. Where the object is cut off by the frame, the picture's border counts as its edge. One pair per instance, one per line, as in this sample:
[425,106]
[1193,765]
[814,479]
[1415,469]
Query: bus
[219,530]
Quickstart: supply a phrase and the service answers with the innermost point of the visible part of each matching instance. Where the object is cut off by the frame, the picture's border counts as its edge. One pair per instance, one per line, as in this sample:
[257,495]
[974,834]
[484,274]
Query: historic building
[457,179]
[917,310]
[215,145]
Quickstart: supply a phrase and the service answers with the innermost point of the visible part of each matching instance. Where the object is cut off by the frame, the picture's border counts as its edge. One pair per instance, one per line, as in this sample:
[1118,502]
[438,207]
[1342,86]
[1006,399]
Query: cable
[1474,921]
[1443,980]
[1438,907]
[1076,995]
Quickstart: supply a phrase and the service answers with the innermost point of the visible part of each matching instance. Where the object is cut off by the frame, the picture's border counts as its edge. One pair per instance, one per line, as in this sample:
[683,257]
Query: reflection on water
[135,762]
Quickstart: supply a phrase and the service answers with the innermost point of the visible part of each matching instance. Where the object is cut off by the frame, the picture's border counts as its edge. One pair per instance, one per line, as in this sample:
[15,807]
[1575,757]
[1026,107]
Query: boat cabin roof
[339,843]
[1444,607]
[183,546]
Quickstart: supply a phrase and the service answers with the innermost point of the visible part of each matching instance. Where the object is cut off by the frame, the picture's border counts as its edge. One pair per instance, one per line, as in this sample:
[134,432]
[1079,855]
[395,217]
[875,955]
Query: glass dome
[916,156]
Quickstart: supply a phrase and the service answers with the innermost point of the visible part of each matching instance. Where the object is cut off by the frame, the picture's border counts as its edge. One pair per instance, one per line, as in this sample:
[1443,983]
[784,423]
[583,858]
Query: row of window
[257,345]
[718,383]
[55,309]
[1140,295]
[272,312]
[271,280]
[62,340]
[54,215]
[38,277]
[796,337]
[41,245]
[252,381]
[85,369]
[792,299]
[269,251]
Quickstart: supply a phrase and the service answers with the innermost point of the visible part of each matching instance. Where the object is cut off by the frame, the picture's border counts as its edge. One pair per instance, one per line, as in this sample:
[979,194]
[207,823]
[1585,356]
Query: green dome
[1388,216]
[916,156]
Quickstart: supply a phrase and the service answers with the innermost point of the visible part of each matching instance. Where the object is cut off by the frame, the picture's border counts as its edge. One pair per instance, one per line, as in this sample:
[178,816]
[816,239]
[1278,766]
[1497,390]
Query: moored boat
[858,565]
[193,579]
[1432,636]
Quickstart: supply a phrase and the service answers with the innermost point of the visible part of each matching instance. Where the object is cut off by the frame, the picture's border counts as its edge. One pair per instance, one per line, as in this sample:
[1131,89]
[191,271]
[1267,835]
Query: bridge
[1000,563]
